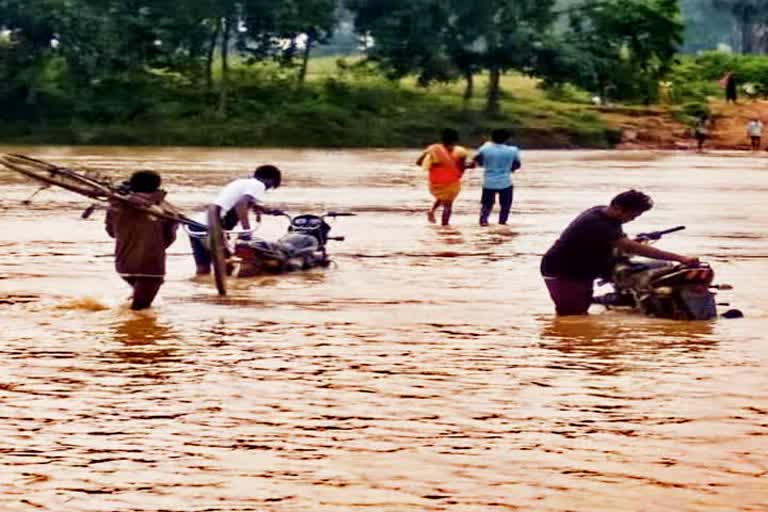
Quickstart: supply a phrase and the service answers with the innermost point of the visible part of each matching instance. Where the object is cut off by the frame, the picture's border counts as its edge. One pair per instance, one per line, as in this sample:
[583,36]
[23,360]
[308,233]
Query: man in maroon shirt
[585,249]
[141,239]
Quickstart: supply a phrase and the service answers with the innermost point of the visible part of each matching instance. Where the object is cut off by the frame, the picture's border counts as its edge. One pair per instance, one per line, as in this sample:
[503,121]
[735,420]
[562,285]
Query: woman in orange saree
[445,163]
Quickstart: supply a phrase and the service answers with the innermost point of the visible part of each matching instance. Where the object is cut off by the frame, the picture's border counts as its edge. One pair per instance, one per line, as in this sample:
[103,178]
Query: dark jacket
[140,238]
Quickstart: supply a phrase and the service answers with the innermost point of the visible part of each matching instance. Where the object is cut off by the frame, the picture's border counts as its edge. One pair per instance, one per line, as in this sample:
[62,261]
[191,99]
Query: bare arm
[420,160]
[242,208]
[462,163]
[170,232]
[632,247]
[109,222]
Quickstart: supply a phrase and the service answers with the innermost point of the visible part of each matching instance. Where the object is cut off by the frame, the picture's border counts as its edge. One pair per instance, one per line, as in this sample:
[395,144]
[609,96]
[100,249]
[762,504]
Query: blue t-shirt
[497,161]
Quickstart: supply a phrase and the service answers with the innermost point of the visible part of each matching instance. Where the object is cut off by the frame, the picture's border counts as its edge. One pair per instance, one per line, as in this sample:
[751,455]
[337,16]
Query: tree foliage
[622,48]
[109,60]
[441,40]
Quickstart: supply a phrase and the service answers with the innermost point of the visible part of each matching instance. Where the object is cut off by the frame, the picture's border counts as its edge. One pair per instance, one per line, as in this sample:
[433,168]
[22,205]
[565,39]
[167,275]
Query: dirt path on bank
[656,128]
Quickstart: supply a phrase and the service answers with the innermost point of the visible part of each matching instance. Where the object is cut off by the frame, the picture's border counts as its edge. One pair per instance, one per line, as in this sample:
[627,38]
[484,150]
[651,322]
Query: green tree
[25,49]
[625,46]
[442,40]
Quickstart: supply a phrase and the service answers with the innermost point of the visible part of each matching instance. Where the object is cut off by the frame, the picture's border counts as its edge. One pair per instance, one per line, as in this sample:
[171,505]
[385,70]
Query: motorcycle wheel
[218,249]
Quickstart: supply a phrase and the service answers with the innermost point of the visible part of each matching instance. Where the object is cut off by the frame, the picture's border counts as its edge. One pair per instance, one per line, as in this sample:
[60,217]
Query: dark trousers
[144,290]
[489,198]
[201,253]
[571,296]
[754,142]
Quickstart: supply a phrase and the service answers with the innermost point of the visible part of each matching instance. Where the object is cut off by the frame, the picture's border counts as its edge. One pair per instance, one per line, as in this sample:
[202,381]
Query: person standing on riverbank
[500,161]
[701,132]
[141,239]
[584,251]
[728,83]
[755,132]
[445,163]
[234,203]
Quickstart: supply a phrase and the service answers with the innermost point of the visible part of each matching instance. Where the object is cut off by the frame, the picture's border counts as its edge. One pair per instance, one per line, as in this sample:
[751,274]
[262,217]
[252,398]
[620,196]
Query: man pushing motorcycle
[233,203]
[584,251]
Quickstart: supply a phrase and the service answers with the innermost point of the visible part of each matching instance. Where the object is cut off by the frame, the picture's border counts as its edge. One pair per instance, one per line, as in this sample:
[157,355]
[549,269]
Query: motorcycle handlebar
[278,212]
[275,211]
[655,235]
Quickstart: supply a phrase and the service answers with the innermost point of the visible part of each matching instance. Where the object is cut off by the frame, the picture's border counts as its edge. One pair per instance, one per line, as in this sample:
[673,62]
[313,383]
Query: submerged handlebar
[655,235]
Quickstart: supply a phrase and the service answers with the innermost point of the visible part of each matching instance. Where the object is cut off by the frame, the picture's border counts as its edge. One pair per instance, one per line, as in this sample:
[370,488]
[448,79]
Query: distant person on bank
[500,160]
[234,203]
[444,163]
[585,251]
[701,132]
[755,133]
[141,239]
[729,84]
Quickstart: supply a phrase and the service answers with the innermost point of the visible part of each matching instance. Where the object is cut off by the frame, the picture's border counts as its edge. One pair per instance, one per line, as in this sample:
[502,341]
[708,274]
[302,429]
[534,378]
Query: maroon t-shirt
[140,238]
[584,250]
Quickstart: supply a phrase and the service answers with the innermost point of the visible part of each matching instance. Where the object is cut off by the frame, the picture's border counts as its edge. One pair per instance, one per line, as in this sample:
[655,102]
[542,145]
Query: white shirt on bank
[755,128]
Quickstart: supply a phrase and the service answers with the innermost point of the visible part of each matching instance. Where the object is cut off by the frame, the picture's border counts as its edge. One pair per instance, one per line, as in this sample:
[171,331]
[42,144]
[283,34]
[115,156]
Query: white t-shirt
[755,128]
[234,191]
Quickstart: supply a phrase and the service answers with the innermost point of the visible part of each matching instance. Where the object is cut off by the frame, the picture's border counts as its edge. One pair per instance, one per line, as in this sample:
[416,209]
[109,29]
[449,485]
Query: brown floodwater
[424,371]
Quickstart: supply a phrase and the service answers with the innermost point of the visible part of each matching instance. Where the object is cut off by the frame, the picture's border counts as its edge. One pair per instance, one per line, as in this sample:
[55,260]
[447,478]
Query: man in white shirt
[755,132]
[234,202]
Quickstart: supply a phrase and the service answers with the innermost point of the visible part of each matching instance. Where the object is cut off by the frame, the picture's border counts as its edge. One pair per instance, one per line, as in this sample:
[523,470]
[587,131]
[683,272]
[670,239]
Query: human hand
[691,261]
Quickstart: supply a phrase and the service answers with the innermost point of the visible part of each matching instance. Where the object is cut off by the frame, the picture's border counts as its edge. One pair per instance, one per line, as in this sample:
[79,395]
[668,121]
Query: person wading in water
[234,202]
[141,239]
[584,251]
[445,163]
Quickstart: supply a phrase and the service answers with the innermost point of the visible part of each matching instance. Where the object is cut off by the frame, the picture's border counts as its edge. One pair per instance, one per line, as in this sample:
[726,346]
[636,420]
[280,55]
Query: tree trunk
[209,57]
[492,105]
[469,90]
[224,87]
[305,60]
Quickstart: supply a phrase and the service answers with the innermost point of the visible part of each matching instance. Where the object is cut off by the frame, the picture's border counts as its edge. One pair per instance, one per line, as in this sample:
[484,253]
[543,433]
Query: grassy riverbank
[334,108]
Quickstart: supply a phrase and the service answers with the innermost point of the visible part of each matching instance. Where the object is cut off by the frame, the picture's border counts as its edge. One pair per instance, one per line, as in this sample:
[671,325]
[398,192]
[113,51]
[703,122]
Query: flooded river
[424,371]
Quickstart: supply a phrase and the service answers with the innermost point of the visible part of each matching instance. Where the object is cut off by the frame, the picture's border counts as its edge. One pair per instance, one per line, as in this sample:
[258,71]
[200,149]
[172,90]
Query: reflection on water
[610,345]
[422,371]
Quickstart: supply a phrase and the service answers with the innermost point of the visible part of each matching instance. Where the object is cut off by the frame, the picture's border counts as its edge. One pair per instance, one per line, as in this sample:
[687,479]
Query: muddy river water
[424,371]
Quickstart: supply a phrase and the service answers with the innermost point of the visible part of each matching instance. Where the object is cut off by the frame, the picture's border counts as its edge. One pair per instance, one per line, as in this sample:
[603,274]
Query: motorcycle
[661,289]
[301,248]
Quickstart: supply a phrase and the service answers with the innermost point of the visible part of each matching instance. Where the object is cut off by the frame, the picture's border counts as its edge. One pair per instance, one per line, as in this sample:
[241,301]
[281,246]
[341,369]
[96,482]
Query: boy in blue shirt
[500,161]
